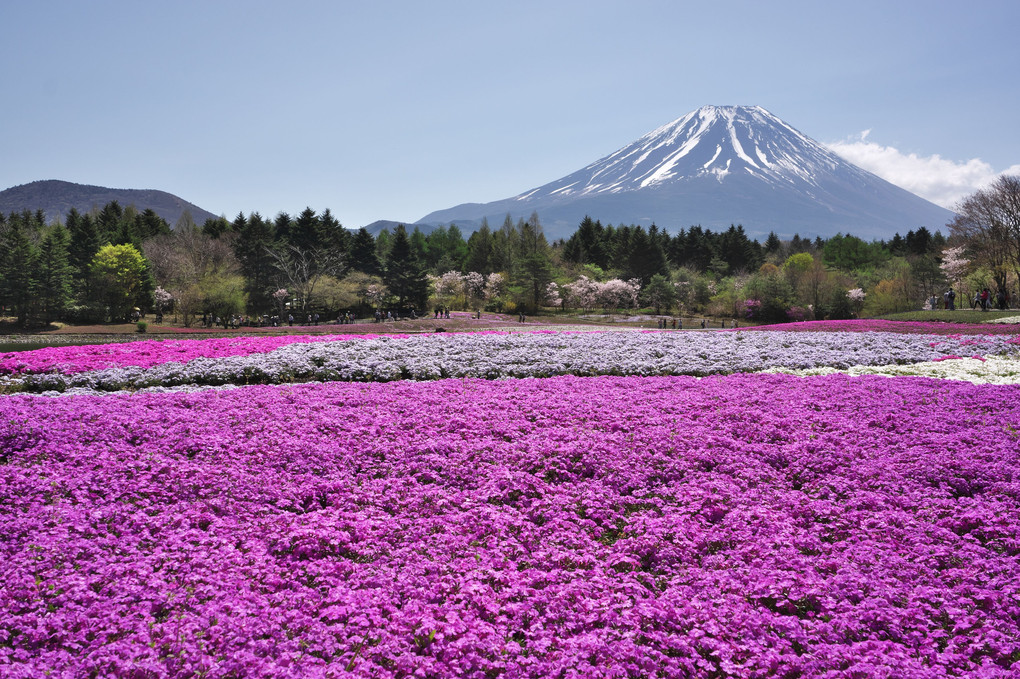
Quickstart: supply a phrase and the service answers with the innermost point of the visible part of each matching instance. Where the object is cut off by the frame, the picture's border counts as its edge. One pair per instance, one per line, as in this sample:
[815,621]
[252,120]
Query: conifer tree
[363,254]
[405,276]
[251,247]
[479,250]
[55,274]
[18,258]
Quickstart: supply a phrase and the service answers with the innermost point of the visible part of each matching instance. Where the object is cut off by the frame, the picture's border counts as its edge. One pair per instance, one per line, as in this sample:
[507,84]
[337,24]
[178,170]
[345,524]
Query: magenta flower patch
[147,353]
[745,526]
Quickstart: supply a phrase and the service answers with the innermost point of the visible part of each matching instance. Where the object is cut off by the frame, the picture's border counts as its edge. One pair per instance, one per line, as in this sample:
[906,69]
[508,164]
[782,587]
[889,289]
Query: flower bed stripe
[492,356]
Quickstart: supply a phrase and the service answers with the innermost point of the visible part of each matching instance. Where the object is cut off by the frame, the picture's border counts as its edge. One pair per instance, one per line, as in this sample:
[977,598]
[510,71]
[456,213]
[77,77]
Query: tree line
[105,264]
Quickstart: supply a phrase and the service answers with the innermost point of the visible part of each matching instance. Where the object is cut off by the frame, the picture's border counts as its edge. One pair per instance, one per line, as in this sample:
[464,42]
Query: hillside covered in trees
[114,263]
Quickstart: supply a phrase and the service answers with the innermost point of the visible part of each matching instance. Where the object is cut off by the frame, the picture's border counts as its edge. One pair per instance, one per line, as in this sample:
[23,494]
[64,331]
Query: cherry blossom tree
[584,293]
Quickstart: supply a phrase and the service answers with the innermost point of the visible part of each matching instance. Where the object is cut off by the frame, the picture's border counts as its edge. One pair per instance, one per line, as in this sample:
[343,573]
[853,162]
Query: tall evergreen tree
[363,254]
[55,274]
[738,251]
[588,245]
[798,244]
[919,242]
[532,270]
[214,227]
[282,227]
[305,231]
[645,257]
[479,250]
[149,225]
[84,241]
[108,221]
[382,244]
[18,259]
[333,236]
[621,247]
[446,250]
[504,246]
[405,275]
[251,247]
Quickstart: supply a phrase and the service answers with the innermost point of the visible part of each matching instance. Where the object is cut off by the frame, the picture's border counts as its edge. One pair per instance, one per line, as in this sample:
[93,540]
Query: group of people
[678,323]
[983,299]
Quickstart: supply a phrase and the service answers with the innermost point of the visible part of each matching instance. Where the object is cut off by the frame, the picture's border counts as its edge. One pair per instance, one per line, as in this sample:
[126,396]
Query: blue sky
[392,109]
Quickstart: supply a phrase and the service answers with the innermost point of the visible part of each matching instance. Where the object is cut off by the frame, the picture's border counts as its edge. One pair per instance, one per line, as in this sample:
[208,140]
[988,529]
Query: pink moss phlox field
[881,325]
[738,526]
[147,353]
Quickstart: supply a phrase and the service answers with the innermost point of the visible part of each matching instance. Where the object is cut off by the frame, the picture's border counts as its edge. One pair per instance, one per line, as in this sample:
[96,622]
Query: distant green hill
[56,198]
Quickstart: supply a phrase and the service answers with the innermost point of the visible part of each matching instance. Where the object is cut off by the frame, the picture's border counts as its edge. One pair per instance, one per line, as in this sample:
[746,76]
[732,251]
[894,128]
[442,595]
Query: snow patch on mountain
[716,166]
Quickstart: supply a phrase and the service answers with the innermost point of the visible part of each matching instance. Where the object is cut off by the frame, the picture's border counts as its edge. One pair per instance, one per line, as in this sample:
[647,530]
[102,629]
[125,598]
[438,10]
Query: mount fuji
[718,166]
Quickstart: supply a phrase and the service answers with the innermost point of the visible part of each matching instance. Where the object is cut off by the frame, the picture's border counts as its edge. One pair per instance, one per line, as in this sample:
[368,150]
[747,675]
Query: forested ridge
[117,263]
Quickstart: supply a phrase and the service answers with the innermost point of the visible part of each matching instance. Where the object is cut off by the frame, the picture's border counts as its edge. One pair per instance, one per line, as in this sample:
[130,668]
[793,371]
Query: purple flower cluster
[746,525]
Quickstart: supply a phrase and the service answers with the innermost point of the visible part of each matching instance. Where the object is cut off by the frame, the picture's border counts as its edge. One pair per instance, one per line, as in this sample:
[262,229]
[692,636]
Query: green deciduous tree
[120,275]
[659,293]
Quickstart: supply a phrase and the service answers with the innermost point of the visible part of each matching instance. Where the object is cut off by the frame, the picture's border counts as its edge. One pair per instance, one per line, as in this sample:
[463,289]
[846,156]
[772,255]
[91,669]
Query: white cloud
[943,182]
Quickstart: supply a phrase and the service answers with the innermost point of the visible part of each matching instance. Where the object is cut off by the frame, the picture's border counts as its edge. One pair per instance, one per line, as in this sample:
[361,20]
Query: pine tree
[214,227]
[363,255]
[532,271]
[404,275]
[251,247]
[108,221]
[645,257]
[149,225]
[18,260]
[55,274]
[305,231]
[333,236]
[479,250]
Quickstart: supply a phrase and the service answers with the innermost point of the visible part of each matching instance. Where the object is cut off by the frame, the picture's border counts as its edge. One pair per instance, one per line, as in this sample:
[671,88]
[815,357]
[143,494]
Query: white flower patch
[984,370]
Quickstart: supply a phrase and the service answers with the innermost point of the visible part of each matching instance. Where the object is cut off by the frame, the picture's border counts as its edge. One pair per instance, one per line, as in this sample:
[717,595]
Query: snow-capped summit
[714,141]
[717,166]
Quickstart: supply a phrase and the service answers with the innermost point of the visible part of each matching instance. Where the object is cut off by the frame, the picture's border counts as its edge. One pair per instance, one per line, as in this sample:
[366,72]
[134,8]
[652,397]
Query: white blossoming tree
[856,297]
[552,295]
[618,294]
[448,287]
[474,288]
[583,293]
[162,299]
[955,267]
[495,288]
[280,298]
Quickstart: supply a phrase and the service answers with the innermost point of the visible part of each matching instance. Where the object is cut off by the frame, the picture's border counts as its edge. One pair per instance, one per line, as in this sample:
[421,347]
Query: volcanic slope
[718,166]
